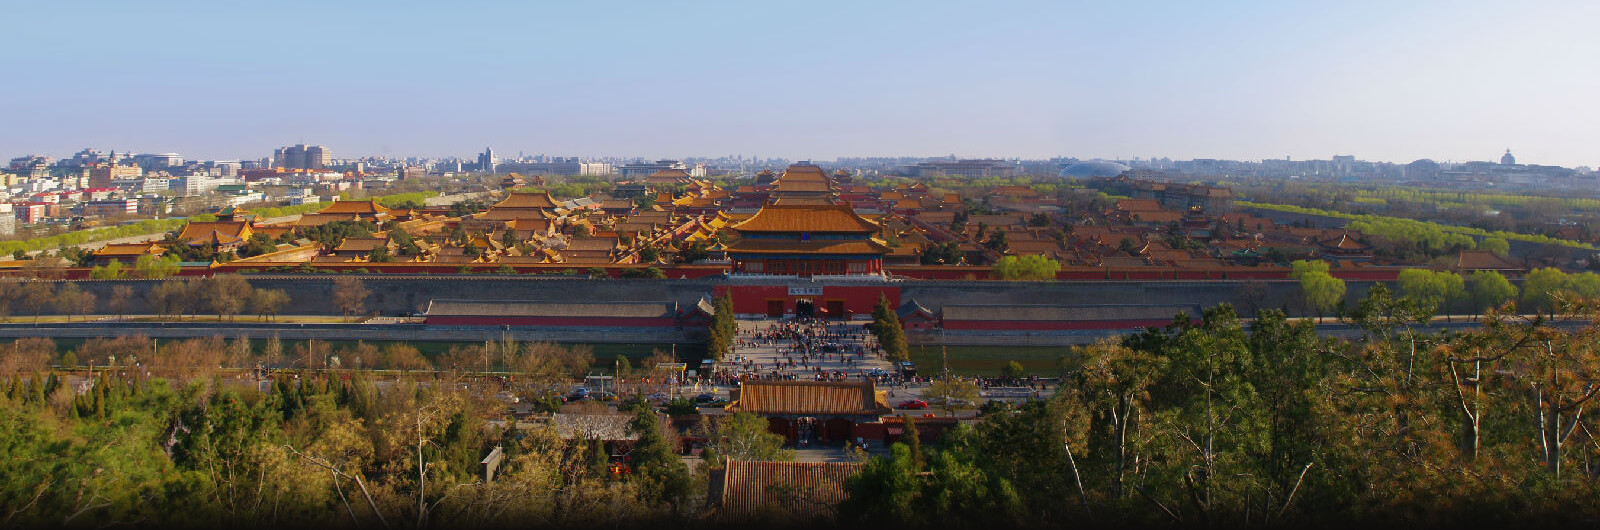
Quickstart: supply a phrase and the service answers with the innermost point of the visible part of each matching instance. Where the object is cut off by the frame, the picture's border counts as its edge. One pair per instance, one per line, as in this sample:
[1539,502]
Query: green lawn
[988,360]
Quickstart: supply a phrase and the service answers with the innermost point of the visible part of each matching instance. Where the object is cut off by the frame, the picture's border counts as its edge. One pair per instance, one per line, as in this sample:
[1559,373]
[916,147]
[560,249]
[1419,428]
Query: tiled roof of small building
[837,398]
[801,490]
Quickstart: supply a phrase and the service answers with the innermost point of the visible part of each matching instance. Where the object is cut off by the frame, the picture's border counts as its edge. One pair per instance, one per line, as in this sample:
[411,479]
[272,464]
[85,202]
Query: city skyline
[1445,81]
[276,156]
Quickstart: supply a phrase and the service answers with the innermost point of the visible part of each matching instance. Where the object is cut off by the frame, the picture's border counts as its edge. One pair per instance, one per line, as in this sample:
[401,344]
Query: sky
[1382,80]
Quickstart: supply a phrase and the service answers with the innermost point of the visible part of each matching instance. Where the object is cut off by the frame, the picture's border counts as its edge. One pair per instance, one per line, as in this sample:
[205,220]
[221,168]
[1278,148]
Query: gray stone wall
[398,295]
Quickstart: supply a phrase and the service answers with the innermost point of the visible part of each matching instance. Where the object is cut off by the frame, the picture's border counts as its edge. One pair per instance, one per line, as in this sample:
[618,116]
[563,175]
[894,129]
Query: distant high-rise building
[1508,159]
[318,157]
[8,220]
[486,160]
[301,156]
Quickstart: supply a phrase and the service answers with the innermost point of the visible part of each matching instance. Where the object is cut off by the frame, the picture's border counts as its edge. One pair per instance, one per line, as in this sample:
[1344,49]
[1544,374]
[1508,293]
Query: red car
[914,404]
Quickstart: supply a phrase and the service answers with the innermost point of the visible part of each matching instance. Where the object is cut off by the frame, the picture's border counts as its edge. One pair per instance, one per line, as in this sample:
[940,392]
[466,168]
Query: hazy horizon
[1453,81]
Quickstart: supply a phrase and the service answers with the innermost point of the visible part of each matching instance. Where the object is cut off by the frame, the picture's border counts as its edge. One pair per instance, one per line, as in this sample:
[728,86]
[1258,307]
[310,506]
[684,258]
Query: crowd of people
[801,349]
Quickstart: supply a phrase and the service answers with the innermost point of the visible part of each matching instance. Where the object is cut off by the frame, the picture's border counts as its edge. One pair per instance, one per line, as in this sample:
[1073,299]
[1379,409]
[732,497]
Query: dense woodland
[1215,421]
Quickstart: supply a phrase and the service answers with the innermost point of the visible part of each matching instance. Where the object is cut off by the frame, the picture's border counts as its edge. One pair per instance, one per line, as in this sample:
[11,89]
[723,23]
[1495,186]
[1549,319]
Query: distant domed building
[1422,169]
[1094,168]
[1508,160]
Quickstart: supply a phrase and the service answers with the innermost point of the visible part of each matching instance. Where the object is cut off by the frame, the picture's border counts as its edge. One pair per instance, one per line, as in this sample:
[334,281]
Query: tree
[623,367]
[1323,292]
[10,293]
[649,254]
[36,296]
[1584,285]
[724,329]
[1542,288]
[171,298]
[696,251]
[257,245]
[1250,296]
[1129,246]
[1013,371]
[1432,291]
[1303,267]
[272,350]
[1290,368]
[954,393]
[267,302]
[1489,289]
[331,235]
[1116,383]
[997,241]
[405,245]
[954,492]
[73,300]
[1032,267]
[380,255]
[1453,290]
[121,299]
[662,476]
[745,436]
[109,271]
[1563,377]
[401,356]
[78,257]
[350,295]
[891,335]
[226,294]
[947,254]
[151,267]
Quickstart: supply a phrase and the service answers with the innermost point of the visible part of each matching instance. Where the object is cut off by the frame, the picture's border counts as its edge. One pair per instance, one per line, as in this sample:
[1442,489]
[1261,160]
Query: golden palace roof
[528,200]
[803,172]
[366,207]
[814,246]
[209,232]
[129,250]
[807,218]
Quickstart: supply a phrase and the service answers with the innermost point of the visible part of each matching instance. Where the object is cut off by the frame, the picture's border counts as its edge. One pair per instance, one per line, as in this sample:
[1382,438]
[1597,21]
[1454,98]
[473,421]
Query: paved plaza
[804,350]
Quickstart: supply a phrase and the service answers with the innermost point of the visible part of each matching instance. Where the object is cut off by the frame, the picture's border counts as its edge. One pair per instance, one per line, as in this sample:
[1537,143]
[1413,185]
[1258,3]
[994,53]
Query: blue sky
[1397,81]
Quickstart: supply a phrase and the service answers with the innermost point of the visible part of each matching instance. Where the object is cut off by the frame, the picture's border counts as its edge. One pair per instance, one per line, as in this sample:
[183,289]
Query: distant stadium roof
[1094,169]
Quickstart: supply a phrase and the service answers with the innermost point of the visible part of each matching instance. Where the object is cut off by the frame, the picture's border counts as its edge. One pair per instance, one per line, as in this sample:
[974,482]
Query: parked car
[658,397]
[705,398]
[578,394]
[913,404]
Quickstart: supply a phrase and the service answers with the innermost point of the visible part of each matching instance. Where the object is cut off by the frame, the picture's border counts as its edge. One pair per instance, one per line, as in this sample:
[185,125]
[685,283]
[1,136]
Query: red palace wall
[857,300]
